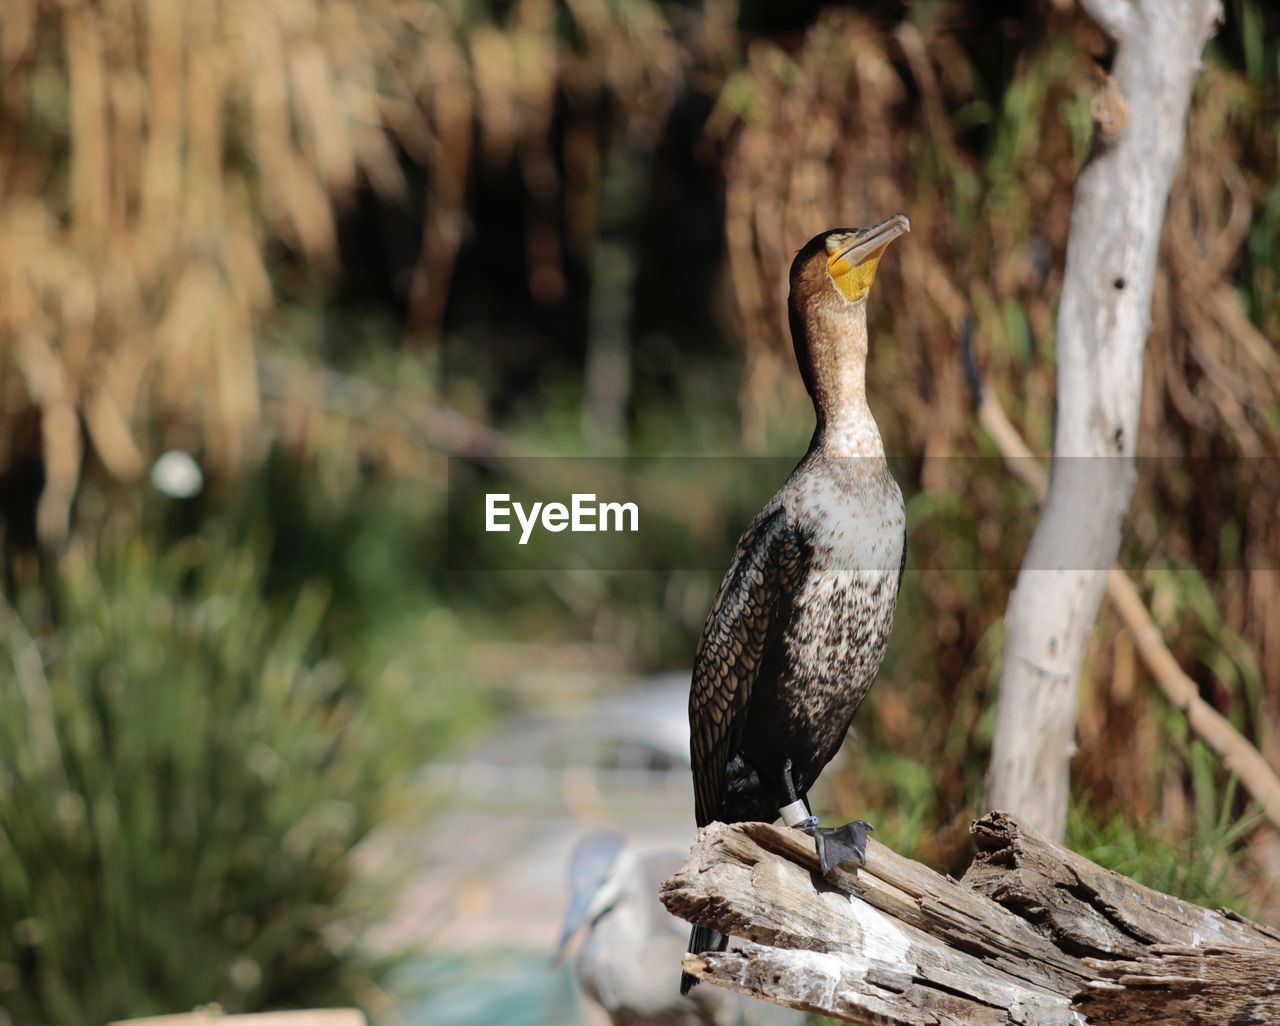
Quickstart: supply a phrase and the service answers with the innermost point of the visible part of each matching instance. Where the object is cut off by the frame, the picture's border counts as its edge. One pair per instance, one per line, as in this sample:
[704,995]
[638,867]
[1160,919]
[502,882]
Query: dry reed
[152,152]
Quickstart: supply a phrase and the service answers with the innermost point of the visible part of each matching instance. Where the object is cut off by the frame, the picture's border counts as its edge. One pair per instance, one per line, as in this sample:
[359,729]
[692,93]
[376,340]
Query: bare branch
[1237,753]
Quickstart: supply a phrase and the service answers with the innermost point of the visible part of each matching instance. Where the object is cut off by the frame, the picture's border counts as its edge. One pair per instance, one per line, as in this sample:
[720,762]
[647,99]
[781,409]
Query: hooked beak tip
[898,224]
[875,240]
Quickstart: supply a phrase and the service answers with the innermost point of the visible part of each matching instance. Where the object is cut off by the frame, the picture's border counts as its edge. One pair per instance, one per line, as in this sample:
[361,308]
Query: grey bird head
[597,870]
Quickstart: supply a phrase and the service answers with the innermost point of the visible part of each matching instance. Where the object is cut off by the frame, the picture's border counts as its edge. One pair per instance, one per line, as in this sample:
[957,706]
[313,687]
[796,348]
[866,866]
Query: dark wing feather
[746,617]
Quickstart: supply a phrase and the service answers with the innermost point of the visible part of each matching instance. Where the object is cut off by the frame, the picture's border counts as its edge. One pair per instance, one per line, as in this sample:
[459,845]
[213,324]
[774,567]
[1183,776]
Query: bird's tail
[701,939]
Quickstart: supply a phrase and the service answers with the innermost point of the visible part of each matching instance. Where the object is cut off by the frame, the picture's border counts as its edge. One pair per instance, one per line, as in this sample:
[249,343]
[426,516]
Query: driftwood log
[1033,934]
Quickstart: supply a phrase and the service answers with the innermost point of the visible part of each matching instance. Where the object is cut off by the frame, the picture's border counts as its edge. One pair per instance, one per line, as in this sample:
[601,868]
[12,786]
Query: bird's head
[831,277]
[852,255]
[842,262]
[598,870]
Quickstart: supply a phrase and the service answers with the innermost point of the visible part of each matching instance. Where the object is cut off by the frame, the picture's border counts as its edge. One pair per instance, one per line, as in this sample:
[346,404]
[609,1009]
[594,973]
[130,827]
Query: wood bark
[1103,321]
[1033,934]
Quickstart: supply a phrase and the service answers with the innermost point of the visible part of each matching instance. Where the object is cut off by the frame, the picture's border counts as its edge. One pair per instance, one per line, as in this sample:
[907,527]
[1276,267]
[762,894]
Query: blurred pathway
[489,887]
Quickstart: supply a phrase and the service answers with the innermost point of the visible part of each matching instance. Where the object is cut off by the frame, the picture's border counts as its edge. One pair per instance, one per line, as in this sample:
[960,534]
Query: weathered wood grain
[1034,934]
[1216,986]
[1081,907]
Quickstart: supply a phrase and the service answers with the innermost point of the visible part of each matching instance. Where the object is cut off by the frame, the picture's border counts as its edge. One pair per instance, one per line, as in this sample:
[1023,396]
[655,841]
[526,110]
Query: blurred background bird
[629,960]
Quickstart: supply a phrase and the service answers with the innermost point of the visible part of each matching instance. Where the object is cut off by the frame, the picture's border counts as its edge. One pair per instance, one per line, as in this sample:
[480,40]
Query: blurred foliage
[1204,866]
[187,777]
[320,246]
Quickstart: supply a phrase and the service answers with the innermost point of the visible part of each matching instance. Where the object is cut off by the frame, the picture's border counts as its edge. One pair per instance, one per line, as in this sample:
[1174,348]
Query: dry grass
[151,152]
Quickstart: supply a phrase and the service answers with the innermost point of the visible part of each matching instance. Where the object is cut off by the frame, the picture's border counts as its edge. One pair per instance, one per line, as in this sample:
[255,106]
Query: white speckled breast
[854,523]
[854,520]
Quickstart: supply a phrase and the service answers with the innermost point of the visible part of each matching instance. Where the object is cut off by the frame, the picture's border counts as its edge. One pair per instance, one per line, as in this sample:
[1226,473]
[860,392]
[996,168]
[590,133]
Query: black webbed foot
[838,845]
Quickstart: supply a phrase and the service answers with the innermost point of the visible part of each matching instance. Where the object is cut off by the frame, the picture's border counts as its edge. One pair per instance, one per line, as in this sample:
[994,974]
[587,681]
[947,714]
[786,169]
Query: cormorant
[798,628]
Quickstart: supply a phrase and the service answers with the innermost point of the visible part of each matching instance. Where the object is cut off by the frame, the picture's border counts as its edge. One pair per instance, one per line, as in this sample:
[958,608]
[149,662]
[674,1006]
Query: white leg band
[795,813]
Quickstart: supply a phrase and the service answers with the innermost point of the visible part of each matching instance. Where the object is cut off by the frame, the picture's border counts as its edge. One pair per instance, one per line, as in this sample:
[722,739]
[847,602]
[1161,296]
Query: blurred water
[511,988]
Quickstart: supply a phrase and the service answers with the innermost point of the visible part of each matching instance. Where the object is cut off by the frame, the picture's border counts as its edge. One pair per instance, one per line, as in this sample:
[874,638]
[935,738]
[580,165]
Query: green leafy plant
[184,780]
[1203,865]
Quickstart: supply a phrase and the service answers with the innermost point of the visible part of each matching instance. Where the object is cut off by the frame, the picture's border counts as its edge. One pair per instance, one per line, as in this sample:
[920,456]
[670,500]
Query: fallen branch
[1237,753]
[1033,934]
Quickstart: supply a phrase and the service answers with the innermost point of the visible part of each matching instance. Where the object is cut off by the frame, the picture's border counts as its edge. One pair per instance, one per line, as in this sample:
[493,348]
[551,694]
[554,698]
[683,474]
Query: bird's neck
[630,913]
[623,928]
[838,357]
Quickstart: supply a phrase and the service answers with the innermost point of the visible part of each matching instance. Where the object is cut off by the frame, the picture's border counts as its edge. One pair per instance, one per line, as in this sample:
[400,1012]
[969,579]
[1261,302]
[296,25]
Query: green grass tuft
[185,779]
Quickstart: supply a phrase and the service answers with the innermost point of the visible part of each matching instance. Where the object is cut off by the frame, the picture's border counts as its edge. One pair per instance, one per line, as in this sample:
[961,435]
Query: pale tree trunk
[1103,321]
